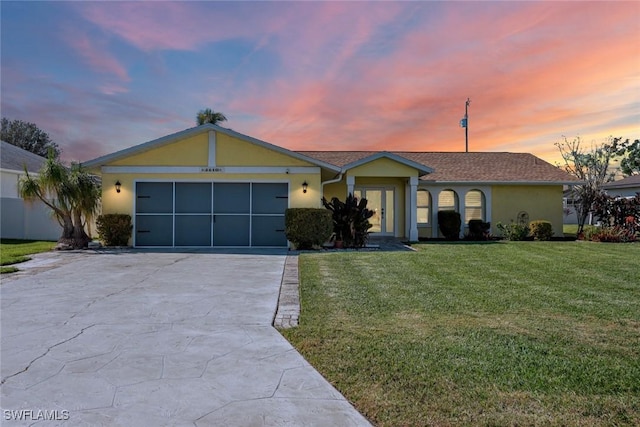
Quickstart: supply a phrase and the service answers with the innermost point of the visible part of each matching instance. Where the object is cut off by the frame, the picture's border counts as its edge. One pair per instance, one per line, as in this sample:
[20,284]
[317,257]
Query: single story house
[21,219]
[625,187]
[212,186]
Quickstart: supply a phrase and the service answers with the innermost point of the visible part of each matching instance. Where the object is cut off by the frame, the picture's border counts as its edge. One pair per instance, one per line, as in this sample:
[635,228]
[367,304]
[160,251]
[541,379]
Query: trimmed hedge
[449,223]
[479,230]
[307,227]
[114,229]
[541,229]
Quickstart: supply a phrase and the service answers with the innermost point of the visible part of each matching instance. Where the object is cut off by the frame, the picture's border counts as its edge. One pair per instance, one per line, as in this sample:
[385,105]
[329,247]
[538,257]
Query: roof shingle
[15,158]
[465,167]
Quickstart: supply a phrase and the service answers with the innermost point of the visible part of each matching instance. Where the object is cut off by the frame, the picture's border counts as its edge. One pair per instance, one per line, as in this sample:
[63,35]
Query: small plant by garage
[307,228]
[114,229]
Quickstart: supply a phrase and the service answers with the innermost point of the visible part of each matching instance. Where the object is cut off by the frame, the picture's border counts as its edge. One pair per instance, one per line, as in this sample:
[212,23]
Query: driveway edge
[288,310]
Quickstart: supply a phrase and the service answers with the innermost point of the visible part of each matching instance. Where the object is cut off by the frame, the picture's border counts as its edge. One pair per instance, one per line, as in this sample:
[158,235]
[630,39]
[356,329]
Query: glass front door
[381,202]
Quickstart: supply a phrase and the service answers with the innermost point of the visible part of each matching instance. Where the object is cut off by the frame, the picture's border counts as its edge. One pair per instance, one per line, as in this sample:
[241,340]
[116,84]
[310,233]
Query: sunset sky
[103,76]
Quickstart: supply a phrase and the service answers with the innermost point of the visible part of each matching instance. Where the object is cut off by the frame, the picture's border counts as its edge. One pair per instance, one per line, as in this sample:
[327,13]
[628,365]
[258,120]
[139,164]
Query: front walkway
[136,338]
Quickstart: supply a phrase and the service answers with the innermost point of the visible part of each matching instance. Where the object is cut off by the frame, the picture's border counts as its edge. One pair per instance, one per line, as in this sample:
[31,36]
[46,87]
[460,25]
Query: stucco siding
[27,220]
[538,201]
[383,168]
[232,151]
[190,151]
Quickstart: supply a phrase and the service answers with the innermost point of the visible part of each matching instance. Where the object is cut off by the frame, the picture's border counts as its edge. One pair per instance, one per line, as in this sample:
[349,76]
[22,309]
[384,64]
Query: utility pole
[465,124]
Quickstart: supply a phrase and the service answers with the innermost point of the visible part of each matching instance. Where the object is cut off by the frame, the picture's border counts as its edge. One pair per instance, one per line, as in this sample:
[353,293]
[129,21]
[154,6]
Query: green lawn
[507,333]
[15,251]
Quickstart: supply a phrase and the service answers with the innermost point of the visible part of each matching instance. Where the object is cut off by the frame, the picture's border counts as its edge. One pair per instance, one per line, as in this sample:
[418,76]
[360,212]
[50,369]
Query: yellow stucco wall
[383,167]
[191,151]
[541,202]
[231,151]
[194,151]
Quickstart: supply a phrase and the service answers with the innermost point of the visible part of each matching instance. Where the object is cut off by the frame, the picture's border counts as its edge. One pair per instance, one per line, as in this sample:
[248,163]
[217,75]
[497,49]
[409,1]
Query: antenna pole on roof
[464,123]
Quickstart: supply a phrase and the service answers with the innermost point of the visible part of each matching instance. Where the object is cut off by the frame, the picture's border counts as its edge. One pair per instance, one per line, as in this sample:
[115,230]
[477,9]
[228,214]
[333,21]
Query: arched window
[448,201]
[473,206]
[423,204]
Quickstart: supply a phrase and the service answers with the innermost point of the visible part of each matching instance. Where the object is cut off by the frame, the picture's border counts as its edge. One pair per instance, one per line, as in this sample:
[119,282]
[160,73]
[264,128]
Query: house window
[423,207]
[448,201]
[473,206]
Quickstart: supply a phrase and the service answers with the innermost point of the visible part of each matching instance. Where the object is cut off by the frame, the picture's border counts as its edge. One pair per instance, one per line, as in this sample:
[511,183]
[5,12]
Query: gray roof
[15,158]
[628,182]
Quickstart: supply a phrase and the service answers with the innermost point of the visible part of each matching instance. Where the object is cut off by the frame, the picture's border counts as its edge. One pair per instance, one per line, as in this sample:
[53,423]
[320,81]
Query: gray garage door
[205,214]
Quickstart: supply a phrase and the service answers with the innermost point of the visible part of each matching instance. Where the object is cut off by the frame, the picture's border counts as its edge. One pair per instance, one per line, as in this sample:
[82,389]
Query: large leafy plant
[350,220]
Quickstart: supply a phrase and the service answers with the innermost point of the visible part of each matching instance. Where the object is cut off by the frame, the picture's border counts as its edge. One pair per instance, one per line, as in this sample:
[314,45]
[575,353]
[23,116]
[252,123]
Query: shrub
[514,231]
[350,220]
[307,227]
[616,234]
[541,230]
[114,229]
[618,211]
[479,230]
[449,223]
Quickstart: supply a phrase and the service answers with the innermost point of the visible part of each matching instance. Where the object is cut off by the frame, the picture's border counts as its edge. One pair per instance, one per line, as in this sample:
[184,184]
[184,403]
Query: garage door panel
[205,214]
[154,230]
[231,230]
[154,197]
[193,230]
[193,197]
[231,198]
[269,198]
[268,231]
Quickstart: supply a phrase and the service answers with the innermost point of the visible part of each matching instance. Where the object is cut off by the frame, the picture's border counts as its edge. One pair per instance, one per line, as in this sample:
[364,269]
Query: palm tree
[209,116]
[72,194]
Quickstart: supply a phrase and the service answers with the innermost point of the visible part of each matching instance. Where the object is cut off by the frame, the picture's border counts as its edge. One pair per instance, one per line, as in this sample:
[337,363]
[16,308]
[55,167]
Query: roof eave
[442,182]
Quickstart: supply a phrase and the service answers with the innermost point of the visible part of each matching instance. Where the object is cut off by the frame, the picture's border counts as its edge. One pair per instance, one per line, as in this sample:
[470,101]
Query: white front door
[381,202]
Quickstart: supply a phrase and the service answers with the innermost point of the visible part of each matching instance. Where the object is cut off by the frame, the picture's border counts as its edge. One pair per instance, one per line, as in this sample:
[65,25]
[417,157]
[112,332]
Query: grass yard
[16,251]
[507,333]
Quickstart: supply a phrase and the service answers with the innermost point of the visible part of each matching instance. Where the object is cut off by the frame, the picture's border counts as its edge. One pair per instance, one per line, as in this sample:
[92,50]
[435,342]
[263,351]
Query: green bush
[307,227]
[541,230]
[479,230]
[114,229]
[449,223]
[514,231]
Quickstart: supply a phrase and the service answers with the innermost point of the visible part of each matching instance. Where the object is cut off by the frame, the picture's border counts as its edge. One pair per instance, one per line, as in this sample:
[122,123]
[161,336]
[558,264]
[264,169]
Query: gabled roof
[628,182]
[169,139]
[15,158]
[458,167]
[387,155]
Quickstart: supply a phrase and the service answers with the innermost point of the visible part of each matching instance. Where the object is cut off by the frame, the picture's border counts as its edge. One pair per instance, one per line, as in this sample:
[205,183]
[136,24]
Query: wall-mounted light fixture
[304,187]
[118,185]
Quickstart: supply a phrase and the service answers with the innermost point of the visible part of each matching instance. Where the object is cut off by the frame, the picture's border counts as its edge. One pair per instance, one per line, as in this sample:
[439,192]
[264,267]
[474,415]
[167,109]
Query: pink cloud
[96,55]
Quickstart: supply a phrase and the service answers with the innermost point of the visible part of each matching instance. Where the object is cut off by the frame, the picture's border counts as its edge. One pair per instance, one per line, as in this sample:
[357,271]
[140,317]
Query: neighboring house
[211,186]
[21,219]
[626,187]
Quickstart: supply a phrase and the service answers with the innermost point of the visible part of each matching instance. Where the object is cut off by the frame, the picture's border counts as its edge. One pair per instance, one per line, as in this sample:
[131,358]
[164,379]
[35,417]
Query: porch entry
[381,200]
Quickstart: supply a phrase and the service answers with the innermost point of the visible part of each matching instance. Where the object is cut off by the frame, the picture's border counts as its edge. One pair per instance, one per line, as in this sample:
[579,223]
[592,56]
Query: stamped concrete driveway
[155,339]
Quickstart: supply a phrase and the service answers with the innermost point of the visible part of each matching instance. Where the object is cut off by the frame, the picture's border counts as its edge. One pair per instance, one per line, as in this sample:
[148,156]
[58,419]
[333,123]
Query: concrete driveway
[155,339]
